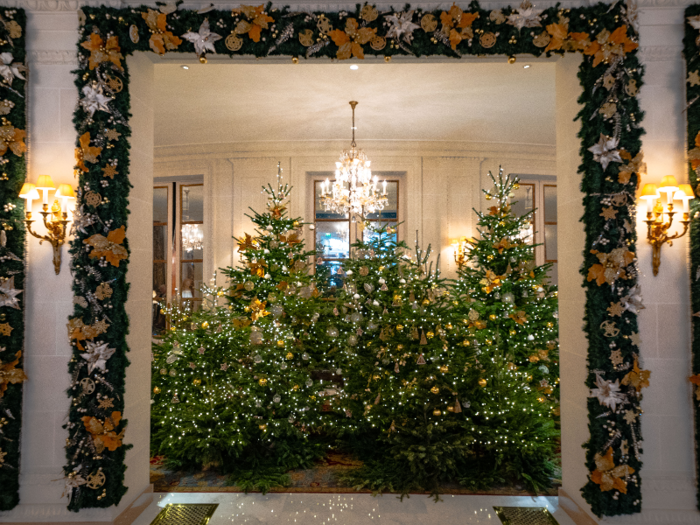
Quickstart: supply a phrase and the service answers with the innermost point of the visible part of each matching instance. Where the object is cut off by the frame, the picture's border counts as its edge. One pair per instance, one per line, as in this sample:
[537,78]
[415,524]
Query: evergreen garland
[13,171]
[610,76]
[691,52]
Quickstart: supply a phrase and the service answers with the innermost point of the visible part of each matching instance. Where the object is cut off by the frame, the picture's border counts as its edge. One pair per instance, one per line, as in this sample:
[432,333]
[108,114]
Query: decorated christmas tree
[509,318]
[233,382]
[403,377]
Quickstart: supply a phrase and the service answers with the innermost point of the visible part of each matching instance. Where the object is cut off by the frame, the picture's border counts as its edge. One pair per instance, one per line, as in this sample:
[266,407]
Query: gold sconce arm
[657,231]
[460,251]
[56,224]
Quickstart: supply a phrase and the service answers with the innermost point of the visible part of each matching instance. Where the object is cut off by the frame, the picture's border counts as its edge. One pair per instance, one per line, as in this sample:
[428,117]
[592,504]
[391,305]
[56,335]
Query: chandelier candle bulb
[669,185]
[29,193]
[65,192]
[650,193]
[45,184]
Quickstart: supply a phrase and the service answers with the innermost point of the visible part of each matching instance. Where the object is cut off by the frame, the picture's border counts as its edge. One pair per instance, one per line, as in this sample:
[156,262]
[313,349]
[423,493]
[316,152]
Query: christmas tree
[402,375]
[508,311]
[233,382]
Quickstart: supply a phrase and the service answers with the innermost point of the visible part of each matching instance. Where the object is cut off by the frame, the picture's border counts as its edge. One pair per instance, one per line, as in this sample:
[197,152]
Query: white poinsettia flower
[607,392]
[605,151]
[694,21]
[203,40]
[8,293]
[633,300]
[97,355]
[10,70]
[525,16]
[94,100]
[401,26]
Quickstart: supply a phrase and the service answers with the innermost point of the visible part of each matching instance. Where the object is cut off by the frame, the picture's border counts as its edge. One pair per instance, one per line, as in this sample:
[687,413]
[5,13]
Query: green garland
[610,77]
[691,52]
[13,171]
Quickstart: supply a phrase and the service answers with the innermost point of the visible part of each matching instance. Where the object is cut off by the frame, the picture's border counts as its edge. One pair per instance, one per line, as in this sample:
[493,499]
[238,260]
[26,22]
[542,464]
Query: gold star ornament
[693,78]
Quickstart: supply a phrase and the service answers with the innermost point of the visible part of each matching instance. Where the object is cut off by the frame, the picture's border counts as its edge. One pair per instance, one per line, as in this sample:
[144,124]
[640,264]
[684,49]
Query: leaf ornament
[86,153]
[9,373]
[257,19]
[519,317]
[109,247]
[103,51]
[457,25]
[257,268]
[351,40]
[491,281]
[80,331]
[637,378]
[277,210]
[291,239]
[607,475]
[562,39]
[608,46]
[611,266]
[161,39]
[103,432]
[12,138]
[257,309]
[634,165]
[246,243]
[503,244]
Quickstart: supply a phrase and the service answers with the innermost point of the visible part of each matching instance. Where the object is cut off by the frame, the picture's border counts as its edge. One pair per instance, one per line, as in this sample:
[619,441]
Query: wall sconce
[460,251]
[55,219]
[660,216]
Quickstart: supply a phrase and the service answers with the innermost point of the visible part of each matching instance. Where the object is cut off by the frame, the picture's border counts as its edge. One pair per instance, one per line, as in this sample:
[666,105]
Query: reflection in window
[160,250]
[550,229]
[387,217]
[191,243]
[524,202]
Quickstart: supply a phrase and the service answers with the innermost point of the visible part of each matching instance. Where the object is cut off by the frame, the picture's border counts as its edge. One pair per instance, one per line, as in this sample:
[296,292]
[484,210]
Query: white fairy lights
[354,190]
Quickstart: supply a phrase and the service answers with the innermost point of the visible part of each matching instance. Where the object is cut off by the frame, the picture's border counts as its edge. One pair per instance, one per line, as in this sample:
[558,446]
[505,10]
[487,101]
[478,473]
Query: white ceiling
[467,101]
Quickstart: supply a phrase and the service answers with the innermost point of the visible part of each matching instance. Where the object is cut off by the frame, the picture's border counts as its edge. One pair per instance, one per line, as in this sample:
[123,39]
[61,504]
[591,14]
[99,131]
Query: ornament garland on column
[691,52]
[610,76]
[13,171]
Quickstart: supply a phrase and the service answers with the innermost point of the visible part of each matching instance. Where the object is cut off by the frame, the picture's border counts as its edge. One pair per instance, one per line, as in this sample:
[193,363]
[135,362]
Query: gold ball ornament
[513,332]
[399,327]
[202,59]
[289,356]
[482,382]
[435,390]
[429,23]
[437,412]
[550,325]
[156,390]
[444,369]
[492,317]
[263,427]
[280,342]
[197,382]
[516,186]
[387,59]
[262,381]
[450,409]
[511,59]
[205,324]
[295,60]
[541,399]
[489,197]
[233,42]
[377,43]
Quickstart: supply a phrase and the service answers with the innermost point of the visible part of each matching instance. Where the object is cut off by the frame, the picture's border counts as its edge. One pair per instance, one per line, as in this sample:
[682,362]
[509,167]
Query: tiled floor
[351,509]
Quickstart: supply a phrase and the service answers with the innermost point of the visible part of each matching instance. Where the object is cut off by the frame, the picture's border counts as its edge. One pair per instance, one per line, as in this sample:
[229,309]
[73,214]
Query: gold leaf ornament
[429,23]
[487,40]
[306,37]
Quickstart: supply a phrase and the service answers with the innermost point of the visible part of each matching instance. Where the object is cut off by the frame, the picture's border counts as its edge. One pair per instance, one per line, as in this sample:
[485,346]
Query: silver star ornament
[8,293]
[94,100]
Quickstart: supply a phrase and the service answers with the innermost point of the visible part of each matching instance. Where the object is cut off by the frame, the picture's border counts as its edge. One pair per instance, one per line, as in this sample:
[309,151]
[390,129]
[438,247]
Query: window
[160,256]
[335,233]
[538,194]
[191,243]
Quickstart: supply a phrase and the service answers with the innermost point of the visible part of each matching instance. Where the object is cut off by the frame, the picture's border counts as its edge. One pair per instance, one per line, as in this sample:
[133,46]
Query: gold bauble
[280,342]
[263,427]
[203,59]
[387,59]
[513,332]
[444,369]
[550,325]
[488,342]
[450,409]
[289,355]
[156,390]
[437,412]
[197,382]
[516,186]
[511,59]
[205,324]
[482,382]
[492,317]
[262,381]
[399,327]
[429,335]
[529,378]
[295,60]
[435,390]
[489,257]
[295,387]
[488,197]
[541,399]
[512,366]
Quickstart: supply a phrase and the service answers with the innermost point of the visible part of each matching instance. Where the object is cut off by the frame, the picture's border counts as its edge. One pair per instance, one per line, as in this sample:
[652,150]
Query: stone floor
[351,509]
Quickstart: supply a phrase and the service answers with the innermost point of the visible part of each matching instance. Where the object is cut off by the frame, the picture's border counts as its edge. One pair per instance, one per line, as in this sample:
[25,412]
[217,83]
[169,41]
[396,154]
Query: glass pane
[391,210]
[550,242]
[329,275]
[192,236]
[191,279]
[370,235]
[160,242]
[321,212]
[159,280]
[333,239]
[160,204]
[553,275]
[550,204]
[192,202]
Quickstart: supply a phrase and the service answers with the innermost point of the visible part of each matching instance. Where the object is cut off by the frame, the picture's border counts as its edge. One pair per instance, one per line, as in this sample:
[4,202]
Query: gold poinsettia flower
[291,239]
[86,153]
[560,38]
[636,377]
[161,39]
[257,268]
[13,139]
[503,244]
[457,25]
[611,266]
[351,40]
[246,243]
[103,51]
[607,45]
[103,432]
[277,210]
[519,317]
[490,282]
[634,165]
[109,247]
[607,475]
[257,20]
[9,373]
[497,211]
[257,309]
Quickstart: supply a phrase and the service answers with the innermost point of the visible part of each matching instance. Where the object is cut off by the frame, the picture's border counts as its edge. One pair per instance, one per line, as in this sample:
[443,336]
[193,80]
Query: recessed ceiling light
[354,66]
[185,67]
[526,66]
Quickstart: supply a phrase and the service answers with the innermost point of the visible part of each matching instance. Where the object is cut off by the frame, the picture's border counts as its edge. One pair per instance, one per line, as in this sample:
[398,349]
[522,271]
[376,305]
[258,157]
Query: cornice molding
[660,53]
[52,57]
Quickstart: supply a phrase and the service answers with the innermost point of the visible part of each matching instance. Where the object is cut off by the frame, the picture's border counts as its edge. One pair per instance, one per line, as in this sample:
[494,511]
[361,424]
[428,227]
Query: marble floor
[351,509]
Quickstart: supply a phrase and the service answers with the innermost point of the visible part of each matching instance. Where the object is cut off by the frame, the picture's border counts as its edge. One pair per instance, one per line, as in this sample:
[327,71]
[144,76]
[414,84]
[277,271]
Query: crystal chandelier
[354,191]
[192,237]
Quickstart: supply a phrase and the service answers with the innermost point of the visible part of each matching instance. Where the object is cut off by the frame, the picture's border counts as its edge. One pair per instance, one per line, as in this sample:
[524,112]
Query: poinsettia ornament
[9,373]
[8,293]
[94,99]
[401,26]
[607,392]
[203,40]
[97,354]
[605,151]
[9,70]
[109,247]
[609,476]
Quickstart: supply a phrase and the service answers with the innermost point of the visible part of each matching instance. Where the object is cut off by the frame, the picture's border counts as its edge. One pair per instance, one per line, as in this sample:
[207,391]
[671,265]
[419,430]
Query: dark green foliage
[14,172]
